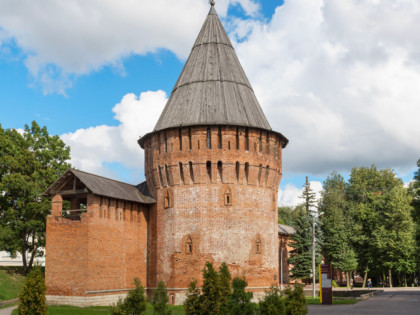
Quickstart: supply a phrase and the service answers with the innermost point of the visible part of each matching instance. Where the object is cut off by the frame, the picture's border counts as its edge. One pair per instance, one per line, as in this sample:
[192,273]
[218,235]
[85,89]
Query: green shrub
[211,299]
[192,304]
[32,297]
[295,301]
[225,288]
[334,284]
[273,303]
[239,302]
[134,303]
[160,300]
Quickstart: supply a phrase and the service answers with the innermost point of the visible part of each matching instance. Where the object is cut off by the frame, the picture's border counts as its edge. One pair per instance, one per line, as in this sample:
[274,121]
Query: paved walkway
[391,301]
[8,310]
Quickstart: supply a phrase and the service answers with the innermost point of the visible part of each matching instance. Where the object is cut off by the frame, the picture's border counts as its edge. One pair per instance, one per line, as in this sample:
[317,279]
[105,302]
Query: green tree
[160,300]
[29,164]
[395,236]
[212,299]
[301,241]
[134,303]
[192,304]
[273,303]
[239,302]
[296,301]
[225,288]
[367,190]
[415,187]
[336,225]
[32,299]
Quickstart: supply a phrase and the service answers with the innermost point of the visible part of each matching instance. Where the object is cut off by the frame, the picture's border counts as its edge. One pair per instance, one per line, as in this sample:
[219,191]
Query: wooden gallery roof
[286,230]
[102,186]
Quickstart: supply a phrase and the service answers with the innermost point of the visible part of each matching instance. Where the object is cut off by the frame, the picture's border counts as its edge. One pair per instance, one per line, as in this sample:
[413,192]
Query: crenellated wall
[100,254]
[216,191]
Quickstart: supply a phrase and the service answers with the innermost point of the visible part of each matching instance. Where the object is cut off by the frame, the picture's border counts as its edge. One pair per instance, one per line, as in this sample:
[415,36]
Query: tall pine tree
[301,255]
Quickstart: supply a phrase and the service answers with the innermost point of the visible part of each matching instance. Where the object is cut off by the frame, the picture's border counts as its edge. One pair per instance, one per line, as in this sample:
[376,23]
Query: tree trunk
[348,279]
[383,279]
[25,264]
[390,277]
[365,276]
[405,279]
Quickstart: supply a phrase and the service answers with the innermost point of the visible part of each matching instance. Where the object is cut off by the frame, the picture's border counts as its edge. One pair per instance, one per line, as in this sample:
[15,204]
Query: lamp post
[281,265]
[313,256]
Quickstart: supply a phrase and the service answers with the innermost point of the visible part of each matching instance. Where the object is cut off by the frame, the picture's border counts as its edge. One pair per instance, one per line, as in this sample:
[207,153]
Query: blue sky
[342,91]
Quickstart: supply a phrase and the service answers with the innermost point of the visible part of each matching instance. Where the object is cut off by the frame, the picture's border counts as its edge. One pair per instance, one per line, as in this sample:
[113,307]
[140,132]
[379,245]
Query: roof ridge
[114,180]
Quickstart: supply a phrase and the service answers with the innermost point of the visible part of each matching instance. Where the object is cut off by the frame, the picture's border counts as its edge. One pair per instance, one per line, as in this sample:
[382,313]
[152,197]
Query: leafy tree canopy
[29,163]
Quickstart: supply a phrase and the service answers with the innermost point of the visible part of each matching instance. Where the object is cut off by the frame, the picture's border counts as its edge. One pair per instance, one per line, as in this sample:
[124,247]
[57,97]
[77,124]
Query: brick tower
[213,165]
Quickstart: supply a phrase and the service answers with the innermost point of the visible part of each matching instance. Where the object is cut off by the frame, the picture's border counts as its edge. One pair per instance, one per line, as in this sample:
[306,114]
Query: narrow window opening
[198,144]
[268,143]
[158,137]
[228,197]
[167,200]
[166,142]
[208,138]
[167,175]
[220,170]
[246,139]
[172,299]
[188,245]
[181,173]
[160,176]
[260,143]
[237,139]
[191,171]
[246,171]
[267,172]
[180,139]
[208,167]
[229,145]
[220,137]
[259,174]
[258,247]
[189,139]
[100,208]
[237,171]
[116,215]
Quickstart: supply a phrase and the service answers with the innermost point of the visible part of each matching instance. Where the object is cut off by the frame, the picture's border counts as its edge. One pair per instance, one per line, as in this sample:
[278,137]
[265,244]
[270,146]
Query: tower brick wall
[216,191]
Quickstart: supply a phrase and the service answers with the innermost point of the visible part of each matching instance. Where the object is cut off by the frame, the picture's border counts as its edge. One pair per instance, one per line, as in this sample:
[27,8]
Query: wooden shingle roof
[103,186]
[286,229]
[212,88]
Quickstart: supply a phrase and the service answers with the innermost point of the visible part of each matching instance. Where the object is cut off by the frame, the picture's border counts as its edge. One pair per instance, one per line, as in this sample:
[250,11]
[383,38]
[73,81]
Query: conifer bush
[273,302]
[133,304]
[296,301]
[160,300]
[32,299]
[239,302]
[192,304]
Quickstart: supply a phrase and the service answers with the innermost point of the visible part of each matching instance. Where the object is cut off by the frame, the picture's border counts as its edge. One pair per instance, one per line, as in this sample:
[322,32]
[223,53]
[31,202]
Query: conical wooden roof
[212,88]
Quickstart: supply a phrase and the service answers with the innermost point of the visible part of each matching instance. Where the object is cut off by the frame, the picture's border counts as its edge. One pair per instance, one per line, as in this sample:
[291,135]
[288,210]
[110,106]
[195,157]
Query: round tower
[214,166]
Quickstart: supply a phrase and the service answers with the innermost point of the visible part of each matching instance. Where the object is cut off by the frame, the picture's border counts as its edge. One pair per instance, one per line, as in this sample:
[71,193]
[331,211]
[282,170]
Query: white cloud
[290,195]
[65,39]
[340,79]
[94,147]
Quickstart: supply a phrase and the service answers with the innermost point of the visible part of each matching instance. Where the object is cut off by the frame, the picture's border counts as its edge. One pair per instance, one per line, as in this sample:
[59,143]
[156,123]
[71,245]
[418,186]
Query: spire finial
[212,3]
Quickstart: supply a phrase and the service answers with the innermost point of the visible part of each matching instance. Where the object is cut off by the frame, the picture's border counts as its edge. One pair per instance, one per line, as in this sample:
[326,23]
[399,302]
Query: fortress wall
[99,255]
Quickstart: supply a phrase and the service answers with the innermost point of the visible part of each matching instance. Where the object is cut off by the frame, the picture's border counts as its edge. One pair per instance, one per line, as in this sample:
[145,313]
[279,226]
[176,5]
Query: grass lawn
[96,310]
[335,301]
[11,282]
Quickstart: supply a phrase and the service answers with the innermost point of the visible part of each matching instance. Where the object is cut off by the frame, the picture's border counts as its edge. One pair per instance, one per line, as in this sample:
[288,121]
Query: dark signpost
[325,284]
